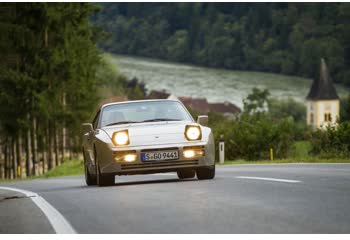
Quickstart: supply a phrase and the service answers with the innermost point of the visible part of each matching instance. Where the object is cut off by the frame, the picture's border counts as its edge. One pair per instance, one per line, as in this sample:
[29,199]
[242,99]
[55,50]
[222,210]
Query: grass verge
[67,168]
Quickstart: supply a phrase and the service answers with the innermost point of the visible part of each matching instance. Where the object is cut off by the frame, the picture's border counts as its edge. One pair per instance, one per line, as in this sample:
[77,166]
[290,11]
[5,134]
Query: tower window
[327,117]
[311,118]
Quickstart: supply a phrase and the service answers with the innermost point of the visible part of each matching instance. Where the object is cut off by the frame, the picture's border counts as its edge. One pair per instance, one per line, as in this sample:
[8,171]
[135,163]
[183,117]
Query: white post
[221,149]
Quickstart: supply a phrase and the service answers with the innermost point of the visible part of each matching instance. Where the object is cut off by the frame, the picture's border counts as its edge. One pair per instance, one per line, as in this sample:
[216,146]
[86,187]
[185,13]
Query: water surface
[217,85]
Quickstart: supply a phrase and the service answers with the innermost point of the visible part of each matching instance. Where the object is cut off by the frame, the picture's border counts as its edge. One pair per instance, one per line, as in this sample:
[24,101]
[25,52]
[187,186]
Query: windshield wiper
[122,122]
[161,120]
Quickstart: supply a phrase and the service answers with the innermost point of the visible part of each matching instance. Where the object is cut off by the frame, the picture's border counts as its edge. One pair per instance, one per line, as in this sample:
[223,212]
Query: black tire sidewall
[186,173]
[206,172]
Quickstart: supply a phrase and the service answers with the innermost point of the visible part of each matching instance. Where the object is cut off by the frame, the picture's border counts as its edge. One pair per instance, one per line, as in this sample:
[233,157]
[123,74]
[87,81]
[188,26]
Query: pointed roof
[322,88]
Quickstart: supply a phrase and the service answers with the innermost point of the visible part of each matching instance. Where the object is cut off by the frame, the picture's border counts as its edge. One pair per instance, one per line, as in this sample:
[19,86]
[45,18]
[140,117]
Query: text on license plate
[166,155]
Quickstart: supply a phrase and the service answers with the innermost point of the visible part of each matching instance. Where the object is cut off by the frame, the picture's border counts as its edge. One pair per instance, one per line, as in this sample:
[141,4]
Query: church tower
[322,101]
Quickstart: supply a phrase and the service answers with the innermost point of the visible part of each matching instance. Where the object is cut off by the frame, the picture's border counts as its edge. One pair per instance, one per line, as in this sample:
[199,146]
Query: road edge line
[58,222]
[269,179]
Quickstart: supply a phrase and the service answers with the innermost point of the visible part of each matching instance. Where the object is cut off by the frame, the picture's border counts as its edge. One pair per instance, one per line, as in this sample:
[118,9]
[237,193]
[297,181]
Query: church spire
[322,88]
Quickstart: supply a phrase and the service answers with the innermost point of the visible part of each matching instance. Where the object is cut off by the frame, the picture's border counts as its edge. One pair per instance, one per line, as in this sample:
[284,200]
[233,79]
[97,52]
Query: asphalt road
[288,198]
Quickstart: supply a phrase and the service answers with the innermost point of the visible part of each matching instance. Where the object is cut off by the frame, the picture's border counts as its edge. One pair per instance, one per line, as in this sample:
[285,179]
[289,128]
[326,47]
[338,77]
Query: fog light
[130,158]
[189,153]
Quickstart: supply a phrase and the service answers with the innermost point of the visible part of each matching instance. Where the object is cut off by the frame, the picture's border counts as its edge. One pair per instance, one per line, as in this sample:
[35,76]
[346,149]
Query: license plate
[160,155]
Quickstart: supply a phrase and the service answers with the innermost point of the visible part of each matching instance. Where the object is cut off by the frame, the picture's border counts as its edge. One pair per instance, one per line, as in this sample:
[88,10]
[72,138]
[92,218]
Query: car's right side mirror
[202,120]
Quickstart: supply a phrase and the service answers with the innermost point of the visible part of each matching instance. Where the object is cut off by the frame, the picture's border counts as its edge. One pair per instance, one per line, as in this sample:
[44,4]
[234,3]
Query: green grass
[67,168]
[301,149]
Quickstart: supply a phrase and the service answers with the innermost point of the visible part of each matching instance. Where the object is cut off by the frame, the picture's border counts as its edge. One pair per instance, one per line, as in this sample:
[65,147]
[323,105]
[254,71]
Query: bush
[252,136]
[332,142]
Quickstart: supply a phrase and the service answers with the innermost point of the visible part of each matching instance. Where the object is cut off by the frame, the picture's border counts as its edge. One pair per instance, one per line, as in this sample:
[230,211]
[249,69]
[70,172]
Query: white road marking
[58,222]
[270,179]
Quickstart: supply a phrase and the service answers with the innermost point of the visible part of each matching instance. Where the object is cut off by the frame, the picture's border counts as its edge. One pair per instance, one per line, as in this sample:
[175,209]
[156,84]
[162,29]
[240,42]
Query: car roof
[137,101]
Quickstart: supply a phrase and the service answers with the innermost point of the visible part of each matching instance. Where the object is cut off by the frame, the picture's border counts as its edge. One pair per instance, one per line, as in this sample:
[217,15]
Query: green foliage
[48,78]
[111,81]
[301,150]
[287,38]
[332,142]
[256,101]
[265,123]
[252,137]
[345,109]
[283,108]
[135,89]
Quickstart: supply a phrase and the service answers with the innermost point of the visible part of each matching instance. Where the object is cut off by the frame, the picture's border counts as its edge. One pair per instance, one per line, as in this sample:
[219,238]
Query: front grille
[146,165]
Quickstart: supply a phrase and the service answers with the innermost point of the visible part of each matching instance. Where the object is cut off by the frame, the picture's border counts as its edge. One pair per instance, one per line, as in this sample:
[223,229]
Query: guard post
[271,153]
[221,149]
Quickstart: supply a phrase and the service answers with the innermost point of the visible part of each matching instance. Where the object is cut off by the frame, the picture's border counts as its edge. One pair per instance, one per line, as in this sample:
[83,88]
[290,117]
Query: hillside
[288,38]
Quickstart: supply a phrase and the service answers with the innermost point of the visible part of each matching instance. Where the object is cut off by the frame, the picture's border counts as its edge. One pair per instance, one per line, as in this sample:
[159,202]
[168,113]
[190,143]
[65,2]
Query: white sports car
[150,136]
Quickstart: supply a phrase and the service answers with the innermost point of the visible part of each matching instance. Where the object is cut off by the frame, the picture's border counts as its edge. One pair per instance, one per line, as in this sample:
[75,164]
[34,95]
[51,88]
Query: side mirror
[202,120]
[86,128]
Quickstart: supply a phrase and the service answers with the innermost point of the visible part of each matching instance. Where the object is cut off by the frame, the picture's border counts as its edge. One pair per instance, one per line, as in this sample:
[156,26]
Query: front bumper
[108,165]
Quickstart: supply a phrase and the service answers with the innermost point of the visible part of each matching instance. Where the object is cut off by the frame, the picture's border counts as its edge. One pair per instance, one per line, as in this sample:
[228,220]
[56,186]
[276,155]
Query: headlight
[121,138]
[193,133]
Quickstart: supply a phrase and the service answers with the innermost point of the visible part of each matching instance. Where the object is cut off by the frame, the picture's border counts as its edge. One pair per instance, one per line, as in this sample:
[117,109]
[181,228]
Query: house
[322,102]
[202,106]
[229,110]
[199,105]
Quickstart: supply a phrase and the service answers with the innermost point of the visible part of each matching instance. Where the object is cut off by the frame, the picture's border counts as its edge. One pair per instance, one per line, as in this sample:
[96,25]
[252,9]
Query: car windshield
[137,112]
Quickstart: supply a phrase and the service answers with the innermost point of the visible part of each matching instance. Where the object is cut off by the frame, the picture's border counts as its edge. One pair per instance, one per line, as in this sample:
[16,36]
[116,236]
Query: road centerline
[56,219]
[269,179]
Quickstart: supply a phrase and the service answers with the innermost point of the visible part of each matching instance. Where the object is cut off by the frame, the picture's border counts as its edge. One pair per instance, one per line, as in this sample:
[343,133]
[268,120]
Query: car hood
[152,133]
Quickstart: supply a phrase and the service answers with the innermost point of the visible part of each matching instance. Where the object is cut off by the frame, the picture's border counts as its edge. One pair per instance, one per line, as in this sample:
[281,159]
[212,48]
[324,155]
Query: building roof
[197,104]
[202,106]
[322,88]
[225,107]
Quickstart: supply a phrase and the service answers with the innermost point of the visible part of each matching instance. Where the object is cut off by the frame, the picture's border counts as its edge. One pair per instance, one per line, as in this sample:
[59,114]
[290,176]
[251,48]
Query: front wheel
[89,178]
[104,179]
[186,173]
[206,172]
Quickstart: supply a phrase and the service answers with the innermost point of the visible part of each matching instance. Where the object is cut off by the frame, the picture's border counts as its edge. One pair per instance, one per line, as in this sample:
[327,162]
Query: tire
[186,173]
[102,179]
[206,173]
[105,179]
[90,179]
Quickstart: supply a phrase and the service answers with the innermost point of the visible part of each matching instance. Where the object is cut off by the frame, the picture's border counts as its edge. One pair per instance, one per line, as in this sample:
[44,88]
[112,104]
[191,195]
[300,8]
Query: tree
[257,101]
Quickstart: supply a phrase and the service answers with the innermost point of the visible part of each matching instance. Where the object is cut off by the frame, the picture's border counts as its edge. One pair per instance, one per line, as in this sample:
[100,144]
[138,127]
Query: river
[217,85]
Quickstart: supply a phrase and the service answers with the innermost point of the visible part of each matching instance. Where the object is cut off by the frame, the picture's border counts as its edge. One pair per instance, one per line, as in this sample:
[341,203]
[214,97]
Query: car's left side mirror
[86,128]
[202,120]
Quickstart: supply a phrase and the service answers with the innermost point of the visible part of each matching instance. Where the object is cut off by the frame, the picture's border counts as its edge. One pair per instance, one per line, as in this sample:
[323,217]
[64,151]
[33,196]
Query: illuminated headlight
[130,158]
[189,153]
[192,152]
[125,156]
[121,138]
[193,133]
